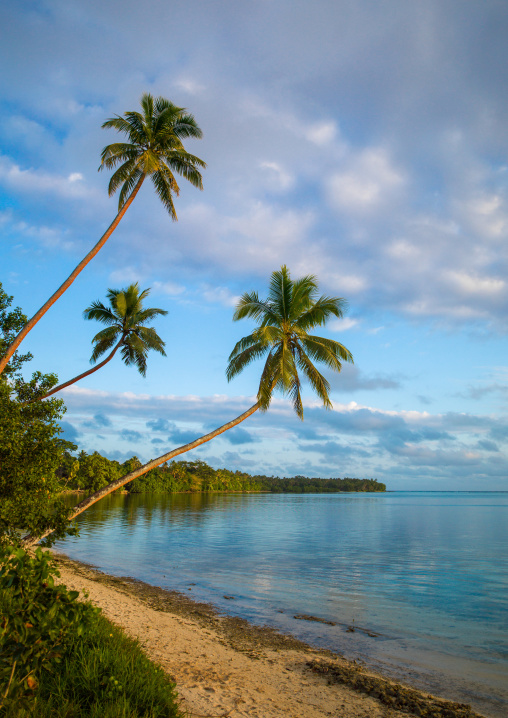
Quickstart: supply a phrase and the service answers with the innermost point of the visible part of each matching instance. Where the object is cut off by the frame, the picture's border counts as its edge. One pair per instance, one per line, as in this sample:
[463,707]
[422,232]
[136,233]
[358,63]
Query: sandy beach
[224,666]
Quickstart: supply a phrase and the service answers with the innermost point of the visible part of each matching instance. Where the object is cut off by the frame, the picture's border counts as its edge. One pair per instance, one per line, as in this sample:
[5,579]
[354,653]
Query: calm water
[428,572]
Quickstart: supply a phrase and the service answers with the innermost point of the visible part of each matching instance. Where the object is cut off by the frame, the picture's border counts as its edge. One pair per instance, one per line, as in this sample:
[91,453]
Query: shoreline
[226,666]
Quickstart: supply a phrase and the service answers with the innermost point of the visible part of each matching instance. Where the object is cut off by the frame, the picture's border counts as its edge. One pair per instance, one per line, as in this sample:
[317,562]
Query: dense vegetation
[61,657]
[31,449]
[92,471]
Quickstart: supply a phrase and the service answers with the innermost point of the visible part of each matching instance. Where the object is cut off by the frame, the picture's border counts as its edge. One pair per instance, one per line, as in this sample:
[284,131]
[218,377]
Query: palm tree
[284,319]
[154,149]
[125,320]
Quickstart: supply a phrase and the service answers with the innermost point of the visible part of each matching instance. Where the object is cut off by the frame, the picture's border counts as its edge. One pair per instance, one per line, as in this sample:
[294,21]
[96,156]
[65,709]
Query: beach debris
[390,694]
[229,598]
[307,617]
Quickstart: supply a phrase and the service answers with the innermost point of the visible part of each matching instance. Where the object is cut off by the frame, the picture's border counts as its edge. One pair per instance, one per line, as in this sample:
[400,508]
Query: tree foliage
[284,320]
[125,318]
[154,149]
[38,620]
[30,448]
[198,477]
[125,321]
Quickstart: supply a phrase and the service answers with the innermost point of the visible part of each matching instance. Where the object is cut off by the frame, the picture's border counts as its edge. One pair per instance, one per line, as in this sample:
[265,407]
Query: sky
[365,143]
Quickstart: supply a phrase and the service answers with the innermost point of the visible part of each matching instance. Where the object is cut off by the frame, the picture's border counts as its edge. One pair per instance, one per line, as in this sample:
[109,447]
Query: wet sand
[224,666]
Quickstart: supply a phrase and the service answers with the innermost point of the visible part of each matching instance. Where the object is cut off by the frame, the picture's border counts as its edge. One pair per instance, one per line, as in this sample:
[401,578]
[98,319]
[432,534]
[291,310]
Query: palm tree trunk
[29,540]
[91,254]
[86,373]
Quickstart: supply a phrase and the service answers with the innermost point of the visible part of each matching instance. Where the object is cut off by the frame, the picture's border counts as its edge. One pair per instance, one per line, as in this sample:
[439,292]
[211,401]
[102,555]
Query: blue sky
[362,142]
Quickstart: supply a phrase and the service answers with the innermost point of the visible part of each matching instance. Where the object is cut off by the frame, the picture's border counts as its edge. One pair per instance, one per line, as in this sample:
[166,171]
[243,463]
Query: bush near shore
[90,472]
[60,657]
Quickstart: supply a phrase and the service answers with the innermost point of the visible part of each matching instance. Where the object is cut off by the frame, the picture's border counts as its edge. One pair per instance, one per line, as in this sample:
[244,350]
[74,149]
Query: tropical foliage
[125,321]
[154,149]
[30,447]
[198,477]
[284,320]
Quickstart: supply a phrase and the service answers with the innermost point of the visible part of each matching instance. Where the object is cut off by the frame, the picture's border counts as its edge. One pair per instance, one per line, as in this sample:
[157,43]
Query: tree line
[90,472]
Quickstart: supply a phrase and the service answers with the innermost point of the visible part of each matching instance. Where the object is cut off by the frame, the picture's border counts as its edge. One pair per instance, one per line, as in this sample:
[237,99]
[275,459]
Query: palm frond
[281,292]
[133,129]
[111,155]
[147,104]
[139,130]
[296,397]
[186,127]
[103,342]
[328,351]
[241,359]
[270,379]
[164,189]
[145,315]
[318,382]
[128,188]
[134,352]
[185,164]
[124,174]
[151,339]
[304,292]
[250,306]
[98,311]
[319,313]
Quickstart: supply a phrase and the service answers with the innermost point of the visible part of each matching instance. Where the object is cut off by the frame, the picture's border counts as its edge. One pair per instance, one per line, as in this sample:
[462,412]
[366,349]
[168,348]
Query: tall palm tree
[284,320]
[154,149]
[125,321]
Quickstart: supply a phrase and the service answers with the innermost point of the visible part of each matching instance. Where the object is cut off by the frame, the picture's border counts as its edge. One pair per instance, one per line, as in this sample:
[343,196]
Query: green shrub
[37,620]
[60,658]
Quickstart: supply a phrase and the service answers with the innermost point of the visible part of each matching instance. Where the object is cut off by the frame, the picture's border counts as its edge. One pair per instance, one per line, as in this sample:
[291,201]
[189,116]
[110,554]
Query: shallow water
[427,571]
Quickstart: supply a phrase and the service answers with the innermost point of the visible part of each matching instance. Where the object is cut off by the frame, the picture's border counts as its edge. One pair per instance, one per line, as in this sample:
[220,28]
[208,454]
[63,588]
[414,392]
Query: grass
[93,671]
[104,674]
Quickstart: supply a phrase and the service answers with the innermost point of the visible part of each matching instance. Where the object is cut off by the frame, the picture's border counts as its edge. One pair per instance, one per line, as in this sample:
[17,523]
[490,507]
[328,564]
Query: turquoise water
[427,571]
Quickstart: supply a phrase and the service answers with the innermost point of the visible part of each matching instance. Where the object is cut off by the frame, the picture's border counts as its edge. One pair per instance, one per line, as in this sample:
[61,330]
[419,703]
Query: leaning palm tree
[125,321]
[284,320]
[154,149]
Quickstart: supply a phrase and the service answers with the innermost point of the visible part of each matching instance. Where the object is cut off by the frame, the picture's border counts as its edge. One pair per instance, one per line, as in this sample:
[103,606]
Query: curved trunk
[91,254]
[85,373]
[118,483]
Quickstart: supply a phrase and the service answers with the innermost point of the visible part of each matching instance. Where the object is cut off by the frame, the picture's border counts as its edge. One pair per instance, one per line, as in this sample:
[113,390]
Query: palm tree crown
[125,319]
[155,148]
[284,320]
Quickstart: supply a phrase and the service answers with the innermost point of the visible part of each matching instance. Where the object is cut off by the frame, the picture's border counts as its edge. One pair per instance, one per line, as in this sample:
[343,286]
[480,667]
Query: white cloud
[126,275]
[342,325]
[475,285]
[322,133]
[38,181]
[170,288]
[368,180]
[189,85]
[220,295]
[258,240]
[277,177]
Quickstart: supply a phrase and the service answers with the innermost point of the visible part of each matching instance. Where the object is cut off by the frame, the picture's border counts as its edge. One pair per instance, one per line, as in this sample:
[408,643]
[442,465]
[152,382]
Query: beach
[224,666]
